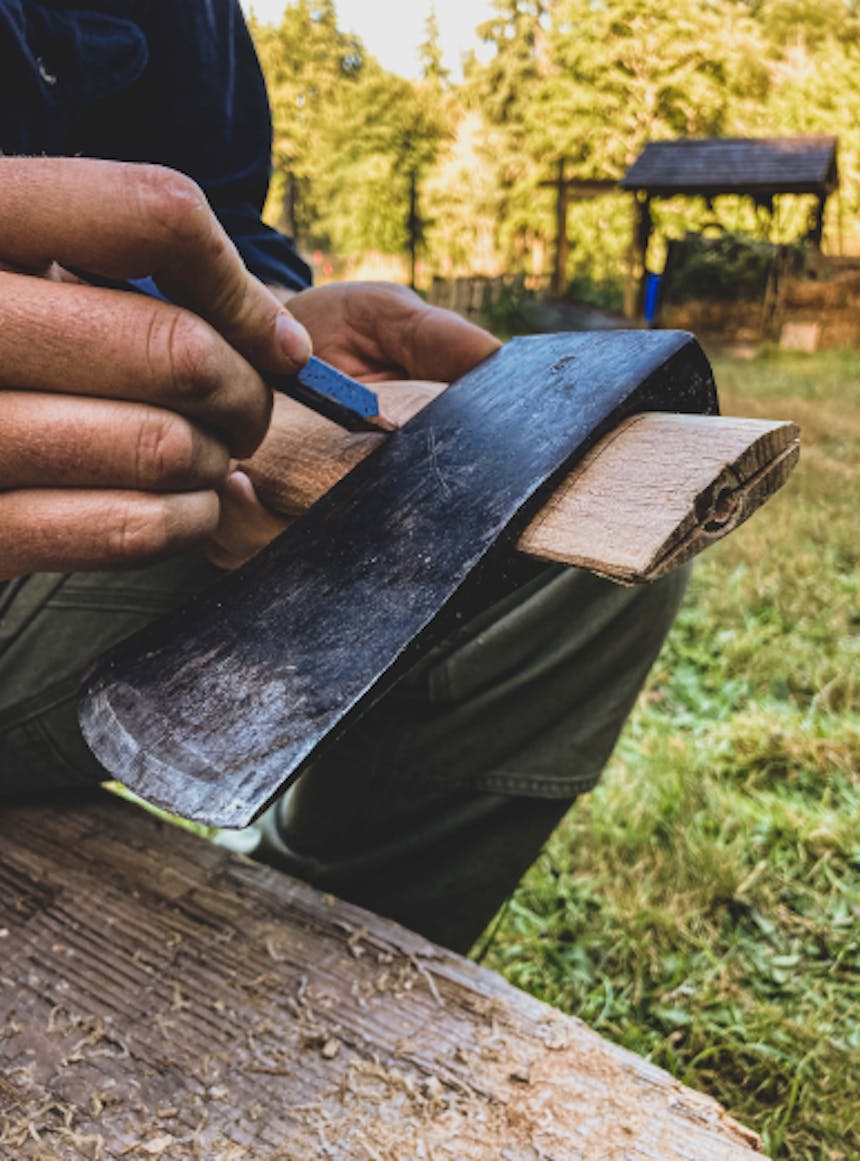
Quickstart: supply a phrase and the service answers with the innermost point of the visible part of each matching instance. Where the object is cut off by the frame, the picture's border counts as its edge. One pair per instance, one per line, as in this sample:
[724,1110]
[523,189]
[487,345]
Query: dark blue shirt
[170,81]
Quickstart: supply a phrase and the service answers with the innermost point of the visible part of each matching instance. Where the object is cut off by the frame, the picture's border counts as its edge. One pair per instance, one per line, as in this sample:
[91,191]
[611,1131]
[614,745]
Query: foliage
[348,135]
[815,88]
[460,196]
[726,266]
[593,82]
[700,907]
[390,135]
[311,71]
[570,79]
[430,53]
[503,91]
[603,293]
[623,73]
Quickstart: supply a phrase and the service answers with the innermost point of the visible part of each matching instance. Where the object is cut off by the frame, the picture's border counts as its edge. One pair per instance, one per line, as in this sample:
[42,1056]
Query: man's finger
[245,526]
[442,345]
[376,329]
[60,441]
[68,531]
[89,341]
[123,221]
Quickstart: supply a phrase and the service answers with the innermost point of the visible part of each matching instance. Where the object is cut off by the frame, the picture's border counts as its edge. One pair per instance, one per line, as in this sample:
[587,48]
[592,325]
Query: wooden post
[413,225]
[631,280]
[634,290]
[816,234]
[559,278]
[566,188]
[289,206]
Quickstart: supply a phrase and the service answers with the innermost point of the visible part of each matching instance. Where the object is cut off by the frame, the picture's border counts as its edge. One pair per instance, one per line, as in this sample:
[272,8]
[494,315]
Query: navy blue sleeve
[175,82]
[203,109]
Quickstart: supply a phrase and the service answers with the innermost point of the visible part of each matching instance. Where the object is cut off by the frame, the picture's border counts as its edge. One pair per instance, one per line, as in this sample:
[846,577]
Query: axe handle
[650,495]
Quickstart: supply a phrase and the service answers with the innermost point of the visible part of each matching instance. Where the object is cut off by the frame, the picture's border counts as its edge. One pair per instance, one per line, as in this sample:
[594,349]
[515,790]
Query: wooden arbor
[567,188]
[759,168]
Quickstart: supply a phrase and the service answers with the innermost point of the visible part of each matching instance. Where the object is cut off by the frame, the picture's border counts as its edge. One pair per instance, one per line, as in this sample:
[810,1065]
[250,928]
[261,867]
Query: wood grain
[163,998]
[652,494]
[660,489]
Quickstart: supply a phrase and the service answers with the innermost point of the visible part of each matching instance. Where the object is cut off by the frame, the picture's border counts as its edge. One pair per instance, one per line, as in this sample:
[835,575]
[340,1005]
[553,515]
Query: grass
[702,906]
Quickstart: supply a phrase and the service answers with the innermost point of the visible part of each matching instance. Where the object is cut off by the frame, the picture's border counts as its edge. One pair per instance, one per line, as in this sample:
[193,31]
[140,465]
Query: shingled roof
[739,165]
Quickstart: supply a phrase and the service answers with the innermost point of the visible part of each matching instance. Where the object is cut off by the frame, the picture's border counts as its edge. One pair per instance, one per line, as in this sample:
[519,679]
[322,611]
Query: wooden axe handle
[653,493]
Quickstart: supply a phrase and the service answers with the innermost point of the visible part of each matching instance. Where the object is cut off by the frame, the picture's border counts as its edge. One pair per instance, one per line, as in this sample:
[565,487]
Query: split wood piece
[658,490]
[652,494]
[164,998]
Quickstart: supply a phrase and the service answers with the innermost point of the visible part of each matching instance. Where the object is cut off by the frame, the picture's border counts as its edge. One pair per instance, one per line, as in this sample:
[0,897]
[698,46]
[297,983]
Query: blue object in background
[652,297]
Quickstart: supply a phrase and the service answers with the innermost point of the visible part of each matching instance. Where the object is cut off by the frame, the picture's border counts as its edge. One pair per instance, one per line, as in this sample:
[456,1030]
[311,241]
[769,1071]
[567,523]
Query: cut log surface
[650,495]
[164,998]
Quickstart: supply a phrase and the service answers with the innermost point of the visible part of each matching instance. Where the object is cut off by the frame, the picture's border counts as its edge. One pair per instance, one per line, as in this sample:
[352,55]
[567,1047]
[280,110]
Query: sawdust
[316,1039]
[553,1096]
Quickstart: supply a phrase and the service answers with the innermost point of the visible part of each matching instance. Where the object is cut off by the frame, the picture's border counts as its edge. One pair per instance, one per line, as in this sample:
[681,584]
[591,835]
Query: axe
[597,449]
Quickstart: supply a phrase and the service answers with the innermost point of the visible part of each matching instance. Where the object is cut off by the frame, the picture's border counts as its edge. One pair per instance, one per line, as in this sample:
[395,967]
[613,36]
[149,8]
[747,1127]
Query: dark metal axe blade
[212,710]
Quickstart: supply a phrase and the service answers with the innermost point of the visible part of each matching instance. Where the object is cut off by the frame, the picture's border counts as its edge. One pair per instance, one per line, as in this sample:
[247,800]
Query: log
[165,998]
[652,494]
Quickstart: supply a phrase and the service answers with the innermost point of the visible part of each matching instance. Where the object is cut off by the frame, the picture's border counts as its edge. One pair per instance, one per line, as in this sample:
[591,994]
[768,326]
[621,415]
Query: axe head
[214,709]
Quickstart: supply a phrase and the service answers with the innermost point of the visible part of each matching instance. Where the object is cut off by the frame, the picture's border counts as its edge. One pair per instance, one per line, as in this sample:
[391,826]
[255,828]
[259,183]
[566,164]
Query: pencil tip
[383,422]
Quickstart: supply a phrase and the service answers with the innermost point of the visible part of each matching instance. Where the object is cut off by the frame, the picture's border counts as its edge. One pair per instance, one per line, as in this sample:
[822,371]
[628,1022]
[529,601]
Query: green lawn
[702,906]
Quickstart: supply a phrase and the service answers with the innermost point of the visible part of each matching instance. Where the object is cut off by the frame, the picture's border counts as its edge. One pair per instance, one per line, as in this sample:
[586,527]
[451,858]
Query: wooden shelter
[708,167]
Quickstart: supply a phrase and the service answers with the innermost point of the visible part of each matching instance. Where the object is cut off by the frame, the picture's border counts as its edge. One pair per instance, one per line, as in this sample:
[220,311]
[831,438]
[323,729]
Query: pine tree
[351,139]
[312,71]
[504,90]
[574,79]
[430,53]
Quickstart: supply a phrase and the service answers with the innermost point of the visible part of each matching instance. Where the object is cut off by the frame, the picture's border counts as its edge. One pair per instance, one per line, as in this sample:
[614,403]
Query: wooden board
[213,710]
[654,492]
[658,490]
[162,998]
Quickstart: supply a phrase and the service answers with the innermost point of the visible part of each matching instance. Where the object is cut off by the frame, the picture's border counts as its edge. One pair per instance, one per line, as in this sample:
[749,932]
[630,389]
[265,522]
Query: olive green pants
[433,805]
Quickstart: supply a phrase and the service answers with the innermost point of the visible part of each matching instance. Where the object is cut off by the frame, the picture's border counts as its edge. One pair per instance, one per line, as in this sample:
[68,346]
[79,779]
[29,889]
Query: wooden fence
[479,295]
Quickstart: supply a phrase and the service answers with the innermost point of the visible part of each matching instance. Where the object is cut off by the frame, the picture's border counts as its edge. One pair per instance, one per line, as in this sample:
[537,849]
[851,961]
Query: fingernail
[241,487]
[294,340]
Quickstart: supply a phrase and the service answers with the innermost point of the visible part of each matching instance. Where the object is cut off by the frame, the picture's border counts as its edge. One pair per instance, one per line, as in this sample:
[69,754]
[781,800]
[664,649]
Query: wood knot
[719,506]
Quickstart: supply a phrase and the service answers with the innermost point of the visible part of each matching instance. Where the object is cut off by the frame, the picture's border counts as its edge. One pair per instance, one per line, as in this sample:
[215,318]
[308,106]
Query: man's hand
[119,413]
[375,331]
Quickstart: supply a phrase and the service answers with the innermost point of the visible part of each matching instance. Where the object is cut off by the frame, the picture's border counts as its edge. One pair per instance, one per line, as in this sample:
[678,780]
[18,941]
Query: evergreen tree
[504,89]
[430,53]
[350,139]
[814,70]
[626,73]
[574,79]
[312,71]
